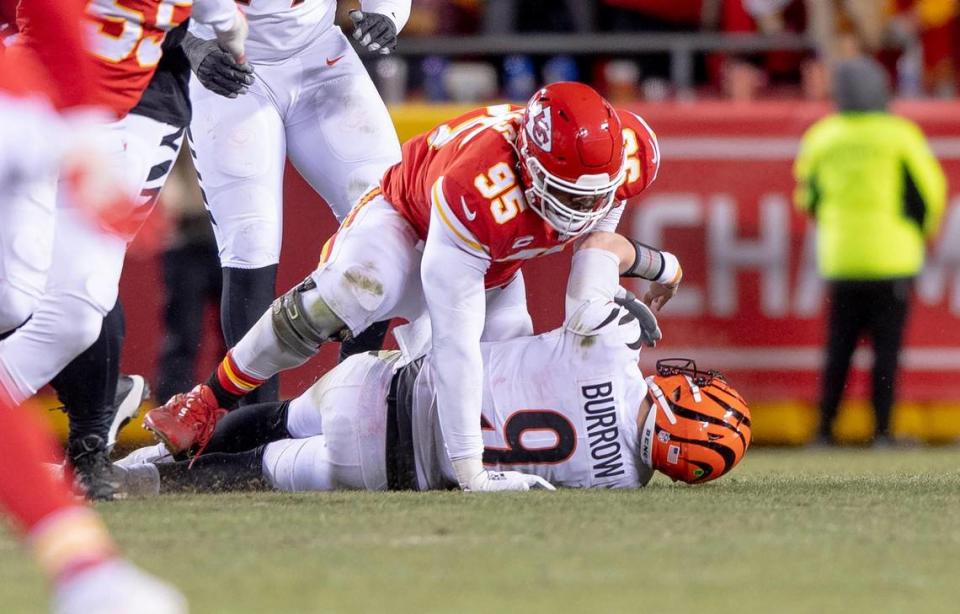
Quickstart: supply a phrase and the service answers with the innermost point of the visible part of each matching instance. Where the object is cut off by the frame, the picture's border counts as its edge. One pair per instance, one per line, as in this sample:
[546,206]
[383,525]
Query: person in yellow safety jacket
[876,192]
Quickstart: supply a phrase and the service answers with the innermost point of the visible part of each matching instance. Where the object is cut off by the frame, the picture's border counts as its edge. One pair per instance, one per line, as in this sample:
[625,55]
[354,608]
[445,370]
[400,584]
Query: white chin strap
[649,425]
[646,436]
[661,399]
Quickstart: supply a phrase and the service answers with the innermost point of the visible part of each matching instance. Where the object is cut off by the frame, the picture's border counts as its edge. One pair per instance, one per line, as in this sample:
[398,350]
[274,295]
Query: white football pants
[70,279]
[320,108]
[340,430]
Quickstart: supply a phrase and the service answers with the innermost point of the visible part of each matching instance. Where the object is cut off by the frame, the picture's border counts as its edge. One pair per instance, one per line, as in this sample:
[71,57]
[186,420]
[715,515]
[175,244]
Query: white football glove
[474,478]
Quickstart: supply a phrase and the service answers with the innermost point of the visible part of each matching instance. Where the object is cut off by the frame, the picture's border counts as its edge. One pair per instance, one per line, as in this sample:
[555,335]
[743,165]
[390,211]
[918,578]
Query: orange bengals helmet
[572,154]
[698,427]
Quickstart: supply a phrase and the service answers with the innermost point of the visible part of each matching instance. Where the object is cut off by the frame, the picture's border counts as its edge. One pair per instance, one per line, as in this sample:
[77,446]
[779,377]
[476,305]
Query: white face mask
[570,208]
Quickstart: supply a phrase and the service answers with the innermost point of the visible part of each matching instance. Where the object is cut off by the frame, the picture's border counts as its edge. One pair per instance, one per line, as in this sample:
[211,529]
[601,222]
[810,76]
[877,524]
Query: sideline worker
[870,181]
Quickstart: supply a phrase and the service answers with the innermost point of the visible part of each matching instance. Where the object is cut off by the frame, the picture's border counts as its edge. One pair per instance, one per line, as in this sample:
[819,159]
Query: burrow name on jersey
[600,412]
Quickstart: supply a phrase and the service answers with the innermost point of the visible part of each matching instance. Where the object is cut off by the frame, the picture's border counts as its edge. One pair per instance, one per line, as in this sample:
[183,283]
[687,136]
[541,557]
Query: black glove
[649,328]
[215,68]
[376,32]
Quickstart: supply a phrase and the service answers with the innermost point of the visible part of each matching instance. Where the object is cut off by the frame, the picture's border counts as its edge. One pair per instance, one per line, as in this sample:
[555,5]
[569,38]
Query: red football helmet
[698,427]
[643,155]
[571,144]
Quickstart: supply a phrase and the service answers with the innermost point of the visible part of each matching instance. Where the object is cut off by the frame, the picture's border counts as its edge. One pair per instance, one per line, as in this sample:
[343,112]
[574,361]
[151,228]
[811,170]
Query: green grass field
[788,531]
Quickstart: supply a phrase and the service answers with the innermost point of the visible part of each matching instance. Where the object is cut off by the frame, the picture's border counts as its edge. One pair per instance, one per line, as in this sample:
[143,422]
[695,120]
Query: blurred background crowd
[742,49]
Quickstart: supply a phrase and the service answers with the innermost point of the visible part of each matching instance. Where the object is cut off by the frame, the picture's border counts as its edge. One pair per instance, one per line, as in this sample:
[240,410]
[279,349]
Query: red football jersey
[470,168]
[48,57]
[127,38]
[125,41]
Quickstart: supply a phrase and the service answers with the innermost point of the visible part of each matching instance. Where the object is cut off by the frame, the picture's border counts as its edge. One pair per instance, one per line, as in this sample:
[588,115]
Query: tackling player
[61,272]
[68,540]
[446,234]
[310,101]
[569,407]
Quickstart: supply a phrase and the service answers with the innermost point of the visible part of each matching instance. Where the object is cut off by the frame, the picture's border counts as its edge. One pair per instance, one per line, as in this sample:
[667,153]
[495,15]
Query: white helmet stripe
[661,400]
[694,389]
[646,437]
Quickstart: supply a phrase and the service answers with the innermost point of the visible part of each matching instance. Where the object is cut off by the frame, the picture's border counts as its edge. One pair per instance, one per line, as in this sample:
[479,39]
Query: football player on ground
[61,271]
[68,540]
[569,407]
[446,234]
[309,99]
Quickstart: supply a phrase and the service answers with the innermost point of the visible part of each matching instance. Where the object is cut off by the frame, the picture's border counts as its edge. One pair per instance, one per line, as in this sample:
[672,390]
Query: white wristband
[672,273]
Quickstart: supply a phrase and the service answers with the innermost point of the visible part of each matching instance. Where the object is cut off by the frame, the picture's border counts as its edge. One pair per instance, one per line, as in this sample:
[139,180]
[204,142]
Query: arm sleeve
[611,220]
[397,10]
[593,282]
[453,287]
[928,177]
[218,14]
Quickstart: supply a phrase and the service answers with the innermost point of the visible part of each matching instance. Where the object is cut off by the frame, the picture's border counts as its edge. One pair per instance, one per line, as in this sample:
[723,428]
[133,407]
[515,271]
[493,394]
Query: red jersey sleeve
[643,155]
[51,32]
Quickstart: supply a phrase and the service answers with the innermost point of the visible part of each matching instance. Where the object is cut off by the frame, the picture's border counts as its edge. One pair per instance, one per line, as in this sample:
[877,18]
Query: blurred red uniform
[127,55]
[125,51]
[67,538]
[55,301]
[50,58]
[66,535]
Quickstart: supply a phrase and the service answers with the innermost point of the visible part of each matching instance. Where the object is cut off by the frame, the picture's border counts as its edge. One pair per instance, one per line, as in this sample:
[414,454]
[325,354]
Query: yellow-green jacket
[876,191]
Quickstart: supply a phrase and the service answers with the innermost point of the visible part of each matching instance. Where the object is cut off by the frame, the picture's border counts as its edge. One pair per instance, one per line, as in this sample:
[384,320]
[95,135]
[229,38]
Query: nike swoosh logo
[471,215]
[334,60]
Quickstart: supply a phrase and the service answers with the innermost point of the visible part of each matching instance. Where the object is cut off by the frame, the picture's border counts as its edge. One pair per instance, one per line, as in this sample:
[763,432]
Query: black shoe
[94,474]
[132,390]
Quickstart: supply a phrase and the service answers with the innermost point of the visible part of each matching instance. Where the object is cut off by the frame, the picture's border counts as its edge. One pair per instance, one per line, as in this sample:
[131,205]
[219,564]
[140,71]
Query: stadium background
[751,303]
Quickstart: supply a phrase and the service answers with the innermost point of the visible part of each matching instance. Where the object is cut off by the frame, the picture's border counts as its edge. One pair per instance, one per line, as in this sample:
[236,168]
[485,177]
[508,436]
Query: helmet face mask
[698,427]
[569,208]
[587,159]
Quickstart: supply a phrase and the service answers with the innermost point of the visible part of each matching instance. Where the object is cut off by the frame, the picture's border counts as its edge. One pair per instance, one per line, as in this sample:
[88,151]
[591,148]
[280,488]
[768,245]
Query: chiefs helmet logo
[540,127]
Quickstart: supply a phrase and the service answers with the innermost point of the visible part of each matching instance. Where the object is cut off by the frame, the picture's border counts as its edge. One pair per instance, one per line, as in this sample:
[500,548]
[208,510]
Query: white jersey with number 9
[559,405]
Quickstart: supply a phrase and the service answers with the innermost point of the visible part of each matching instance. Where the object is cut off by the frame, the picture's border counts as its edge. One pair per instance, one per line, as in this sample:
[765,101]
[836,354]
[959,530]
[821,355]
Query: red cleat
[186,421]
